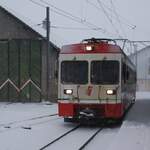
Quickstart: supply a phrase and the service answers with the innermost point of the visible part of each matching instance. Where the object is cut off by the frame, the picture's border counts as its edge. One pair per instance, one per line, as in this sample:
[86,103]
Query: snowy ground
[134,133]
[29,127]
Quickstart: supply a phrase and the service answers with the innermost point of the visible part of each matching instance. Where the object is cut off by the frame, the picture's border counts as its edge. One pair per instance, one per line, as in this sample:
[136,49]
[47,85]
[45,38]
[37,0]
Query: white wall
[143,68]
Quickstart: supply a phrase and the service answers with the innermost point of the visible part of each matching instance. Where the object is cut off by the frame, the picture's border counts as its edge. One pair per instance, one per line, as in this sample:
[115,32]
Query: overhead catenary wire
[39,4]
[70,16]
[123,20]
[78,19]
[109,19]
[65,27]
[57,12]
[75,18]
[117,17]
[70,28]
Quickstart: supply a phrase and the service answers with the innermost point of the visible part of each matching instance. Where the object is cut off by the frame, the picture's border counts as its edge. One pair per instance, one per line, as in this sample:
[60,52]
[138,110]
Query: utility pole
[48,47]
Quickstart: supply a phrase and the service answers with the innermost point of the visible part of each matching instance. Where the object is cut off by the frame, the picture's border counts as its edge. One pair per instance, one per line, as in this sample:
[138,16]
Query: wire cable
[65,27]
[110,9]
[117,17]
[70,16]
[75,18]
[121,17]
[109,19]
[69,28]
[39,4]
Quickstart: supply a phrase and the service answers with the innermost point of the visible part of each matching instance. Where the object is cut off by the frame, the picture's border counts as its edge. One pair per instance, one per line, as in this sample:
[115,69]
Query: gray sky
[131,12]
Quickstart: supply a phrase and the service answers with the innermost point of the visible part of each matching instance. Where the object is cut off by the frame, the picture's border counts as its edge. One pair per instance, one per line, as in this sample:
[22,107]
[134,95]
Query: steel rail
[60,137]
[30,119]
[90,139]
[29,127]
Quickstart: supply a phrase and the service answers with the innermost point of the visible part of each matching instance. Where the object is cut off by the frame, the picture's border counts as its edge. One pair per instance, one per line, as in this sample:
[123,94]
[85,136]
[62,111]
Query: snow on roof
[39,30]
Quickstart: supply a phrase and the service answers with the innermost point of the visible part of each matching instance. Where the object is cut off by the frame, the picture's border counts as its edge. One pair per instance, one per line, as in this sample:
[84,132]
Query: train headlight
[110,92]
[68,91]
[89,48]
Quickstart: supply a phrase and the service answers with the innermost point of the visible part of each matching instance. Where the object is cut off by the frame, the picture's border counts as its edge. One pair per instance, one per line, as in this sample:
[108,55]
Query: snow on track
[74,140]
[77,138]
[59,138]
[27,124]
[10,112]
[39,135]
[8,125]
[104,139]
[38,132]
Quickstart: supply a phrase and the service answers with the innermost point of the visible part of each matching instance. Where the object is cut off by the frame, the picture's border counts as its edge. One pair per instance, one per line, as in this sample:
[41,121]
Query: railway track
[7,125]
[19,124]
[60,137]
[68,132]
[27,127]
[90,139]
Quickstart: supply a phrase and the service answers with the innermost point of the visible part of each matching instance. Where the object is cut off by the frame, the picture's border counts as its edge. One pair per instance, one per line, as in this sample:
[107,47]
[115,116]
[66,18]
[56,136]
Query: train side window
[124,72]
[128,75]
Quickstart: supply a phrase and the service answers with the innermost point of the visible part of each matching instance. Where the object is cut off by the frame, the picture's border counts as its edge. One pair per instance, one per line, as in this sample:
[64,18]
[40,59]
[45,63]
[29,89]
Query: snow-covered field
[30,127]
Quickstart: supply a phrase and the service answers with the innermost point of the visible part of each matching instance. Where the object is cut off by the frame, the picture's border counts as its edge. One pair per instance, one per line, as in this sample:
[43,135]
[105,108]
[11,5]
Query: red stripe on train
[104,110]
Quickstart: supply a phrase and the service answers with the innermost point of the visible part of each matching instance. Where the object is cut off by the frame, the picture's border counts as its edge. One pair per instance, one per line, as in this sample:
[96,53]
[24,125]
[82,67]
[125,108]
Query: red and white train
[96,81]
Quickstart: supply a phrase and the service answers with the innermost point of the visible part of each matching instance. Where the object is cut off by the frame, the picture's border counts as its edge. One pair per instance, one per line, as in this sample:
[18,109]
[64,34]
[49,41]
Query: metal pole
[47,33]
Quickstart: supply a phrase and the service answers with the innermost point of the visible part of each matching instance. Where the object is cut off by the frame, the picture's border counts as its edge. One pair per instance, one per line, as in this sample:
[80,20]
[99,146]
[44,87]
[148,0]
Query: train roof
[97,47]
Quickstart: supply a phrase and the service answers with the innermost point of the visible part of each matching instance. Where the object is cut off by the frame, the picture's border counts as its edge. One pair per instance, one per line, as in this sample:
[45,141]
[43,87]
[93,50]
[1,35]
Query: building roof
[41,33]
[140,51]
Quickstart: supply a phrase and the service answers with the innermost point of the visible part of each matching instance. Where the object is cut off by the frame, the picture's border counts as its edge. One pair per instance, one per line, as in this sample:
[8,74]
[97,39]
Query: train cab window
[105,72]
[74,72]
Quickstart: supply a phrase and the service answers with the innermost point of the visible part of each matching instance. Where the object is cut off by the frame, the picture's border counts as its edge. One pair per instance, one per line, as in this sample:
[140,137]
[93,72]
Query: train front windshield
[74,72]
[105,72]
[102,72]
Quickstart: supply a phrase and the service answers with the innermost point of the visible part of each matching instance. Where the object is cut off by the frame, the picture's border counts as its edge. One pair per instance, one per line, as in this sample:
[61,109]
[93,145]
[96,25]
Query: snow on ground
[103,139]
[21,130]
[18,111]
[135,131]
[22,127]
[16,116]
[74,140]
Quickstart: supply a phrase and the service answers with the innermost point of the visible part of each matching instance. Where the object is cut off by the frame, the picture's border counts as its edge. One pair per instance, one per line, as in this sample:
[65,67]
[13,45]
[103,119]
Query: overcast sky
[112,18]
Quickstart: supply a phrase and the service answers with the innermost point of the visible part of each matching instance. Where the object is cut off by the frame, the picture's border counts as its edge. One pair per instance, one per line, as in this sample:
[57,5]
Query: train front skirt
[76,111]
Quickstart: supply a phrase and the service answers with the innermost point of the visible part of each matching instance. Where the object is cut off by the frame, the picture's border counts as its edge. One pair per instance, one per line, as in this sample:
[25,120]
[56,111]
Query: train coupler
[87,113]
